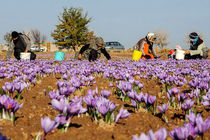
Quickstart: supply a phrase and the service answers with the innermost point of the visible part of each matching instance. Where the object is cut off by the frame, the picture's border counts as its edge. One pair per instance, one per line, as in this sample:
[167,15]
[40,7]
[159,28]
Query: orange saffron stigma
[9,106]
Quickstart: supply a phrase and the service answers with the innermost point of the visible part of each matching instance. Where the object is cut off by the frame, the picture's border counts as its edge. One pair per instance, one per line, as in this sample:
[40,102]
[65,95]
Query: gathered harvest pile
[148,99]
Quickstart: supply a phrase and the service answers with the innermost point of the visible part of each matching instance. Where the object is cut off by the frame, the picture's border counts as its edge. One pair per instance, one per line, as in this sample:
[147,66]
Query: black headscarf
[15,34]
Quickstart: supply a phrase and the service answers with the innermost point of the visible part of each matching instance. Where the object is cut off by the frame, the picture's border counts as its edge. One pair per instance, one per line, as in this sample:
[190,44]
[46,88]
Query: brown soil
[37,105]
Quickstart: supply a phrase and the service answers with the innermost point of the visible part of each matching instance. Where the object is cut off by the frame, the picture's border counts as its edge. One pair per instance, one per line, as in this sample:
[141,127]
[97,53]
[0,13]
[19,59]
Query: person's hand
[80,56]
[186,52]
[25,51]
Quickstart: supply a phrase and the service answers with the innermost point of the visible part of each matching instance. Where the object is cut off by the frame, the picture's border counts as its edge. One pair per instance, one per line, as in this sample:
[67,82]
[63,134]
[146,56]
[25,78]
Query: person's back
[92,51]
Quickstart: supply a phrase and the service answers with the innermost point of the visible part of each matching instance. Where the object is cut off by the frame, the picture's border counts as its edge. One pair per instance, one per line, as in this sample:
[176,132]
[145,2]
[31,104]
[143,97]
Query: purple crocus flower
[191,95]
[192,118]
[133,103]
[88,99]
[139,97]
[137,82]
[206,100]
[187,105]
[19,87]
[182,97]
[8,87]
[180,133]
[111,85]
[174,91]
[102,105]
[191,131]
[163,108]
[140,85]
[48,125]
[91,78]
[60,84]
[168,96]
[77,99]
[64,91]
[94,101]
[75,108]
[202,126]
[105,93]
[122,114]
[131,94]
[59,105]
[127,87]
[161,134]
[131,80]
[61,119]
[65,77]
[197,92]
[127,75]
[142,137]
[82,110]
[9,104]
[145,98]
[16,107]
[76,84]
[91,92]
[151,99]
[112,106]
[103,108]
[120,85]
[3,99]
[2,75]
[71,90]
[55,95]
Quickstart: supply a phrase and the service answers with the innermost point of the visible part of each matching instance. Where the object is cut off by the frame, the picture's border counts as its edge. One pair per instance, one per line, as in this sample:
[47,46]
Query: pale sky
[125,21]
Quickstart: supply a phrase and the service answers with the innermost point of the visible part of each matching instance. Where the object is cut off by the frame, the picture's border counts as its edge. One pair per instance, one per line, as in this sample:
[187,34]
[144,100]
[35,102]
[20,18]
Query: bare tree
[162,39]
[27,33]
[36,36]
[44,38]
[8,37]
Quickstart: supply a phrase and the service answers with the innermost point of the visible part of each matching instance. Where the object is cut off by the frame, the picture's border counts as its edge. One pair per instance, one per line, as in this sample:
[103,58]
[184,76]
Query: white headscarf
[150,36]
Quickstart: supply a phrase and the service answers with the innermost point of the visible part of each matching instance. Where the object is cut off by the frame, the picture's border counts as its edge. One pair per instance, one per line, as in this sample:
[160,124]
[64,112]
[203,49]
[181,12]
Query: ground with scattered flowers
[37,105]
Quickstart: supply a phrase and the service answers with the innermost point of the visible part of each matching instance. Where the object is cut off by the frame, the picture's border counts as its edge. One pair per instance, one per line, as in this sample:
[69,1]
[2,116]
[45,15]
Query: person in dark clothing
[20,43]
[92,51]
[198,49]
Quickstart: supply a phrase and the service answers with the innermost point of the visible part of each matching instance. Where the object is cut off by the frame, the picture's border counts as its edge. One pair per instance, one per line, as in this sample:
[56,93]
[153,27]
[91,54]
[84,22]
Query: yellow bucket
[136,55]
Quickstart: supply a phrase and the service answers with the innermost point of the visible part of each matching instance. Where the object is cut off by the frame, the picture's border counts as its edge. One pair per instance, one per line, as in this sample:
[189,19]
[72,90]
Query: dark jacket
[25,40]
